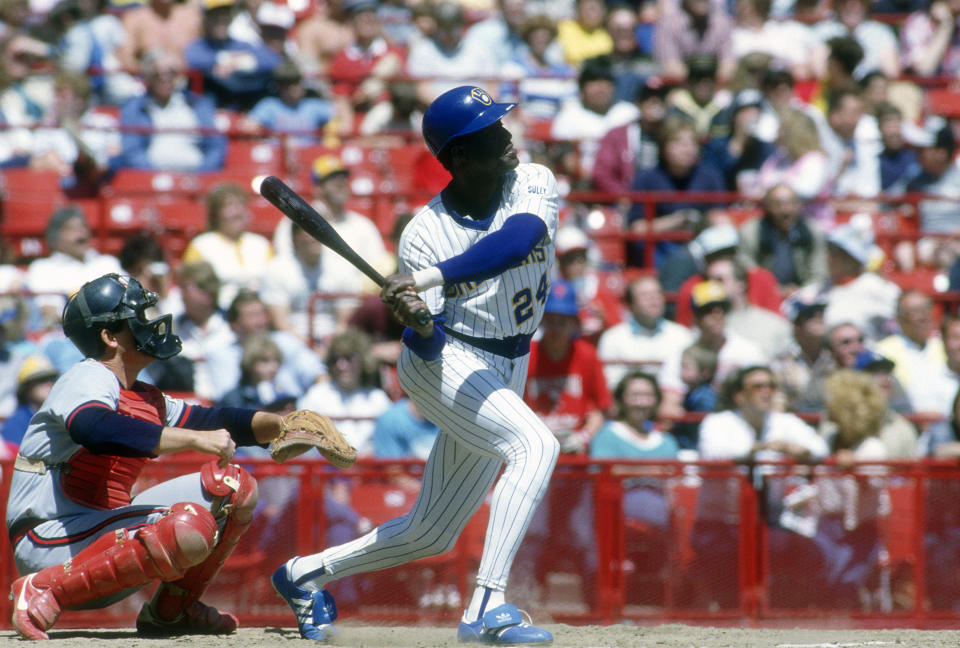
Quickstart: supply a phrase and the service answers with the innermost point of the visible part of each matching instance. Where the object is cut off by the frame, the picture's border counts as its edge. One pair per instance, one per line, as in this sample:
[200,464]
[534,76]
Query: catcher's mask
[107,302]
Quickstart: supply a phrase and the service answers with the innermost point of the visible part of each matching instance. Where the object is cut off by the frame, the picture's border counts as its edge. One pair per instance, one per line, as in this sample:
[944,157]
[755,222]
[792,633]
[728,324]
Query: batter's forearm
[488,257]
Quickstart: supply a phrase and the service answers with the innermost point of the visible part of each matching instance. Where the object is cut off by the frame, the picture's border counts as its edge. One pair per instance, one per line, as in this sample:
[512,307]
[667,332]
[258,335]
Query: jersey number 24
[523,300]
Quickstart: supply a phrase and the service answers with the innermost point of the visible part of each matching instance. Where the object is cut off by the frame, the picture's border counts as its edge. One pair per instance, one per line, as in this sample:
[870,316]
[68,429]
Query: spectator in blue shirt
[403,432]
[34,381]
[634,434]
[679,169]
[291,111]
[698,367]
[236,74]
[169,128]
[898,162]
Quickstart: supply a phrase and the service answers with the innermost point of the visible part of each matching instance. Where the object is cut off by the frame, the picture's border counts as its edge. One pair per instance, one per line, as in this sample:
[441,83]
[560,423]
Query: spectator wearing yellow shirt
[238,257]
[585,35]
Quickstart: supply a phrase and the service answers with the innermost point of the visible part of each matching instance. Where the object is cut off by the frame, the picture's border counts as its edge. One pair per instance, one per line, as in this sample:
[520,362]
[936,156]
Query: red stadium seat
[28,183]
[127,182]
[256,156]
[174,220]
[943,101]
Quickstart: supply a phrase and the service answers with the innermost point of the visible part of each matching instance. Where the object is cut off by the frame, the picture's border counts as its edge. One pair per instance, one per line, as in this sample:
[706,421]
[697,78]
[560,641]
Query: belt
[37,466]
[514,346]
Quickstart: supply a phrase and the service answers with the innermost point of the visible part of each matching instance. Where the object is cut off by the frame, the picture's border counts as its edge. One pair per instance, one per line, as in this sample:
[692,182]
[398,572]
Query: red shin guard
[235,496]
[112,563]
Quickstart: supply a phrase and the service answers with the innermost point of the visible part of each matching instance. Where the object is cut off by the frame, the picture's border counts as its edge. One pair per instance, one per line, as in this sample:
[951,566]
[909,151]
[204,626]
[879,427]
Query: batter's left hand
[394,286]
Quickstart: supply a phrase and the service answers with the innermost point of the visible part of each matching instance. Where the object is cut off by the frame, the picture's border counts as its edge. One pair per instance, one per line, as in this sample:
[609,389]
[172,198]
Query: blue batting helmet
[460,111]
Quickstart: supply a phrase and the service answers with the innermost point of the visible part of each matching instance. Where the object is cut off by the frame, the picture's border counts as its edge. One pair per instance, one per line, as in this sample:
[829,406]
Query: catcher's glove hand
[304,429]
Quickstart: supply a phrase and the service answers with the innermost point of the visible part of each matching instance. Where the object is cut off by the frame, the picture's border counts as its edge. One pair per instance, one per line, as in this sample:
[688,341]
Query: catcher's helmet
[460,111]
[108,301]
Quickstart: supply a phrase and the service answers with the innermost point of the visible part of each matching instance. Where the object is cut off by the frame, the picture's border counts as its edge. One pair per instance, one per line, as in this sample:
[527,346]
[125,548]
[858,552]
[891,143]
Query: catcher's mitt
[304,429]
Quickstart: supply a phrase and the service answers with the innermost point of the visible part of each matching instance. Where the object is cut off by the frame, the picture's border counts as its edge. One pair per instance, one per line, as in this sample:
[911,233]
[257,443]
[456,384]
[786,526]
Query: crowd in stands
[769,327]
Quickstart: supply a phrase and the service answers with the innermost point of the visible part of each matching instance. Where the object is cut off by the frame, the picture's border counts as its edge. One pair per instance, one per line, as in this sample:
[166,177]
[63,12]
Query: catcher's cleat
[504,625]
[315,611]
[35,610]
[196,619]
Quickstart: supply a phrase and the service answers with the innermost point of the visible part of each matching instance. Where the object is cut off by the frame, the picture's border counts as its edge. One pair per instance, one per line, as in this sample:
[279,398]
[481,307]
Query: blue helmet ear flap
[463,110]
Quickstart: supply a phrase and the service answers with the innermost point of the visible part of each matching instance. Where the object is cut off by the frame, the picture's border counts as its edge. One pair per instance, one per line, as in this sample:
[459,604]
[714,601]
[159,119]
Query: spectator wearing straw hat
[34,380]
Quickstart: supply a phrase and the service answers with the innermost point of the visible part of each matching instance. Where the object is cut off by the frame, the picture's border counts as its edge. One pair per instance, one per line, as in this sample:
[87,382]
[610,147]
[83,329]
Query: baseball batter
[479,256]
[78,538]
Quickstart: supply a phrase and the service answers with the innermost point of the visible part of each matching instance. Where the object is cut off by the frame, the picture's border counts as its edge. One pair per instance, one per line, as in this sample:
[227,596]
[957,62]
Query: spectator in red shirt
[565,381]
[359,72]
[717,242]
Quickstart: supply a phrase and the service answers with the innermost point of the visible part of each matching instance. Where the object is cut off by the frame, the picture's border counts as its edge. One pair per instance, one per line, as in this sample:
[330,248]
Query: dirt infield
[615,636]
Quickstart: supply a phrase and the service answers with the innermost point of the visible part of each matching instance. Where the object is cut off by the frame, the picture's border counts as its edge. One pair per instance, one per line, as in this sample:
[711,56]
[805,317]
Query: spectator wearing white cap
[851,292]
[718,241]
[262,22]
[645,339]
[600,306]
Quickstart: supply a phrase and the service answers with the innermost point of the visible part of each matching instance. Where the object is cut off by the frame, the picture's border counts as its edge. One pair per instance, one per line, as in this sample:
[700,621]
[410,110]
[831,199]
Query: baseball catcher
[79,538]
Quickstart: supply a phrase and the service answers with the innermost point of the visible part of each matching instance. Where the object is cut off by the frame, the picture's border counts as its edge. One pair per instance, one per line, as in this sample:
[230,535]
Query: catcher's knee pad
[234,493]
[182,539]
[115,561]
[233,489]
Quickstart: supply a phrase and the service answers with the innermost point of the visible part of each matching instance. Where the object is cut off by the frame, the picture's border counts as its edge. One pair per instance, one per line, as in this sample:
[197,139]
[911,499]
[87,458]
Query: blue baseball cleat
[315,611]
[504,625]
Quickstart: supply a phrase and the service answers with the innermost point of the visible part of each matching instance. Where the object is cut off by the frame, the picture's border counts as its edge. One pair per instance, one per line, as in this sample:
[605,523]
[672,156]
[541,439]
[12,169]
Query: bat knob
[422,317]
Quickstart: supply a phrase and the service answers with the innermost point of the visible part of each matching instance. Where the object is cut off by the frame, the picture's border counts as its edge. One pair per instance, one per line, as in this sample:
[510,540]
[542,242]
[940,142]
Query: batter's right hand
[394,286]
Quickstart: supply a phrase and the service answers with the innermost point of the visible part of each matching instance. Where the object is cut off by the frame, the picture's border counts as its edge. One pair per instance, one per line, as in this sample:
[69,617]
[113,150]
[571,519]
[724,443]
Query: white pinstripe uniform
[473,395]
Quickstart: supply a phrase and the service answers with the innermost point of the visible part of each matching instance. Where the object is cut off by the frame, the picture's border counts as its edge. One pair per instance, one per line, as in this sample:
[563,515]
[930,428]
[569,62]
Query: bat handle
[422,317]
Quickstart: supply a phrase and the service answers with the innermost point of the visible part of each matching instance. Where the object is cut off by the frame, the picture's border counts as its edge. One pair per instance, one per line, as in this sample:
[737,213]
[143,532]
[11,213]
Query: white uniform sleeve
[416,252]
[175,411]
[537,193]
[86,381]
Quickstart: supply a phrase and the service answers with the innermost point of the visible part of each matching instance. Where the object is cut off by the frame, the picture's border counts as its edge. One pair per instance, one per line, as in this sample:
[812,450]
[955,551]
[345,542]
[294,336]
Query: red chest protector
[104,481]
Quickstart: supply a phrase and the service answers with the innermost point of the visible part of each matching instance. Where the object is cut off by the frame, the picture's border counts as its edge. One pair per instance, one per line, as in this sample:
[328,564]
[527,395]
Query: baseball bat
[300,212]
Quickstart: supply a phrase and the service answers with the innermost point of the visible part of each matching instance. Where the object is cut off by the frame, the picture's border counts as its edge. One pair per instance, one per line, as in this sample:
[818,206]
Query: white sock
[307,572]
[484,600]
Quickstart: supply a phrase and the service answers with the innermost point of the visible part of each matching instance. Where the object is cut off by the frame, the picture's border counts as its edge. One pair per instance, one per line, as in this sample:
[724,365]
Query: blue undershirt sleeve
[427,348]
[496,252]
[102,430]
[235,420]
